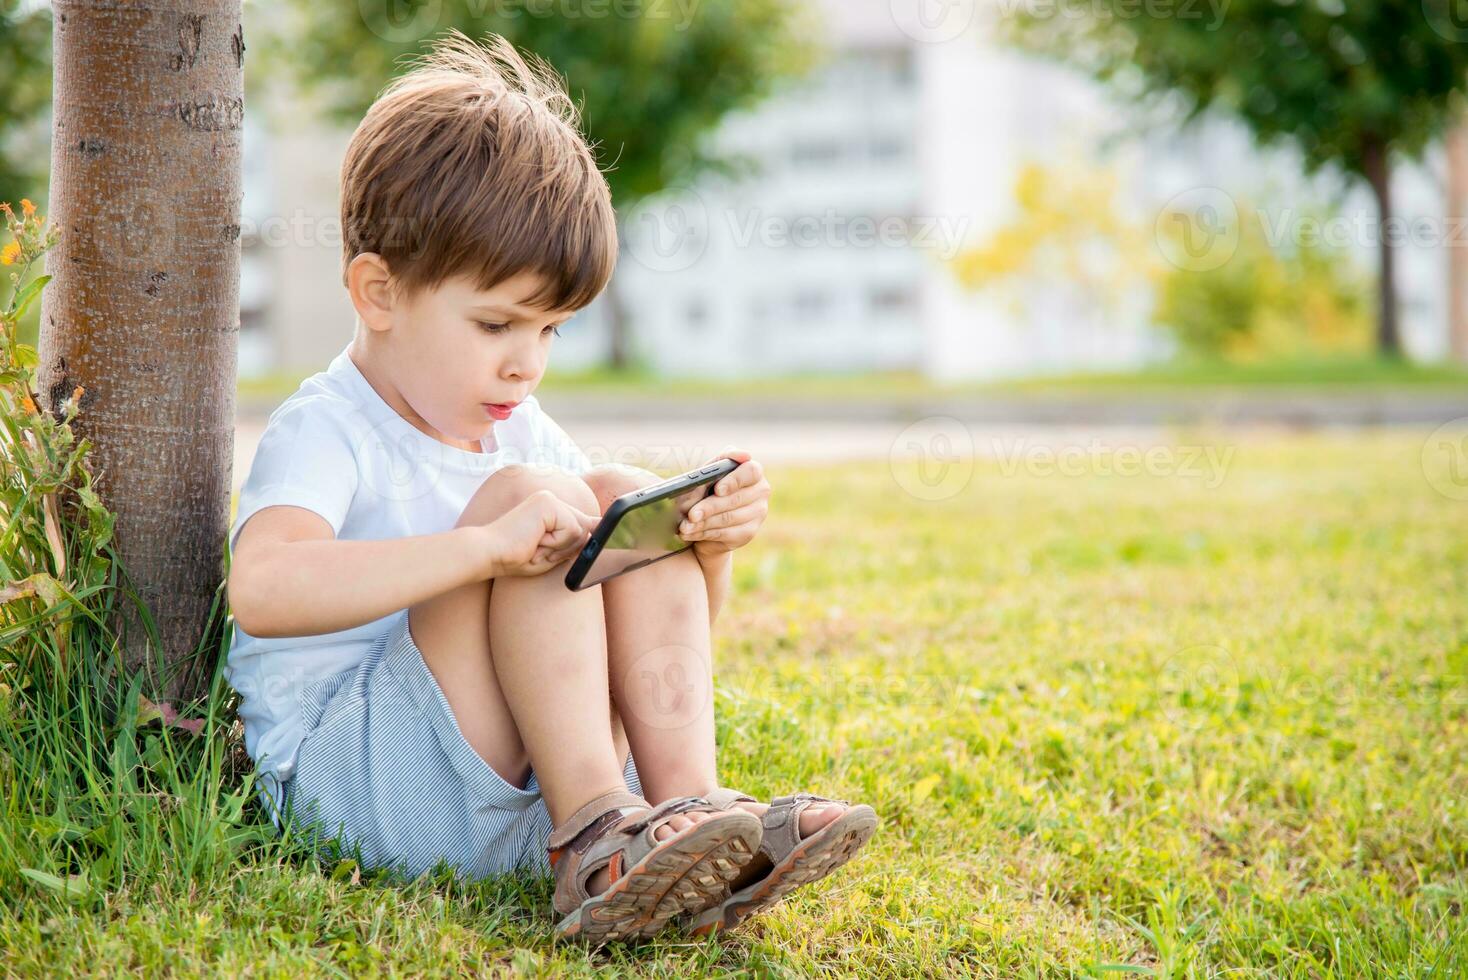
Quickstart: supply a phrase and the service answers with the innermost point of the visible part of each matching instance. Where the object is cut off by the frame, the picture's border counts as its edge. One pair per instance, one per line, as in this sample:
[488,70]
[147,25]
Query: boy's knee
[506,487]
[610,481]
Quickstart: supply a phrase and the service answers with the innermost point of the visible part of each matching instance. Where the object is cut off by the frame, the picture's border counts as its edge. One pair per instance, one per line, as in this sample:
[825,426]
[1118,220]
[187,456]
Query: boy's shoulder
[317,398]
[321,419]
[327,398]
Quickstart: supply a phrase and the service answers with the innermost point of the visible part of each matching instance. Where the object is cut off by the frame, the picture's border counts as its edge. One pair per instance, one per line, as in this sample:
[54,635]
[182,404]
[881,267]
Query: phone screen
[644,534]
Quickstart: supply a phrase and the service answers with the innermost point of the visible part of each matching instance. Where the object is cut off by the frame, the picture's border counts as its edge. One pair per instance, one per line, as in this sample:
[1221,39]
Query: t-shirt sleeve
[556,446]
[305,459]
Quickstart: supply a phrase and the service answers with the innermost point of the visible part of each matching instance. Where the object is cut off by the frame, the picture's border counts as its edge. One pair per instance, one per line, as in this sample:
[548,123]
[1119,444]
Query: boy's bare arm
[290,576]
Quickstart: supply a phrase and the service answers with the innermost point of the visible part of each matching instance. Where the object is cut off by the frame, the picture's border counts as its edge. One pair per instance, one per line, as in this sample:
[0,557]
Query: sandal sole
[813,859]
[691,871]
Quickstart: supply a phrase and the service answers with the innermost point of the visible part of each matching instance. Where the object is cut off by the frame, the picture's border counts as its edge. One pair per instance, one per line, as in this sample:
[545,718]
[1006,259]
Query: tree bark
[1456,218]
[144,308]
[1377,167]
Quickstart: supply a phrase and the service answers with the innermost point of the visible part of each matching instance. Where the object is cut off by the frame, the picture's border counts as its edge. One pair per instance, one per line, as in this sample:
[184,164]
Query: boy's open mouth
[500,410]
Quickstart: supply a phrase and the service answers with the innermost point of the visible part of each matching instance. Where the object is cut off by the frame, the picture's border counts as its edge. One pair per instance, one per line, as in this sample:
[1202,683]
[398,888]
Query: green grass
[1343,372]
[1179,377]
[1107,721]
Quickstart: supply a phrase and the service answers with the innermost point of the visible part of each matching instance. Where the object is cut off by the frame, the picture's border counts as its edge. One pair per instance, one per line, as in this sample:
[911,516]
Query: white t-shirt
[337,449]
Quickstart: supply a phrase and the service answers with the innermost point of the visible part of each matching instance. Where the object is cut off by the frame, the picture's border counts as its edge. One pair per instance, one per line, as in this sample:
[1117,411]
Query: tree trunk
[1456,218]
[618,353]
[1377,167]
[144,308]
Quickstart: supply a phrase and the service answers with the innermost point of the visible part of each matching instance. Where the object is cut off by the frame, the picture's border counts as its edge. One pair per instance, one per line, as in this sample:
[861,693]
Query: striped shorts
[383,766]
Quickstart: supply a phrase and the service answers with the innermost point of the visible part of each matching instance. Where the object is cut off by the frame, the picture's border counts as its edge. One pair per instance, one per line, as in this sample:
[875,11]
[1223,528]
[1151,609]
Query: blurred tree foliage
[1069,231]
[25,104]
[653,77]
[25,99]
[1268,298]
[1351,83]
[1297,300]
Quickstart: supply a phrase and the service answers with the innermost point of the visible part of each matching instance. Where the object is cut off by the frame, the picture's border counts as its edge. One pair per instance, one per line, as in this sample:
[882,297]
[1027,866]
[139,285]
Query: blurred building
[291,240]
[258,274]
[809,261]
[830,250]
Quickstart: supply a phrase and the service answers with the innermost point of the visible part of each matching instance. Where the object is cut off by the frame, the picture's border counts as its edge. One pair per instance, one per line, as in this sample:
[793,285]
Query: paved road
[673,433]
[673,445]
[677,445]
[1312,406]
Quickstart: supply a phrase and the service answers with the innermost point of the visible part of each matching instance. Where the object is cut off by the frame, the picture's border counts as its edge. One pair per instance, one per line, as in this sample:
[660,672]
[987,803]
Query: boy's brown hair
[472,163]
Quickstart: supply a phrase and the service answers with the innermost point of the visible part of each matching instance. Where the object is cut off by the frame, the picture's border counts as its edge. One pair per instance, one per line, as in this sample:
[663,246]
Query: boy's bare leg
[661,672]
[523,664]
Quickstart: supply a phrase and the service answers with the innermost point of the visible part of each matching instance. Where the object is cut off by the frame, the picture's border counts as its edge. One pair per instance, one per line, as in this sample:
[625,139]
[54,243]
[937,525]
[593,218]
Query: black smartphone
[641,527]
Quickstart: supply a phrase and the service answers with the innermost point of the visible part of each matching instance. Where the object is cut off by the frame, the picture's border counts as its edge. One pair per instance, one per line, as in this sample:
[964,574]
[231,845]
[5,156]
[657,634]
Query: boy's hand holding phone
[729,517]
[542,531]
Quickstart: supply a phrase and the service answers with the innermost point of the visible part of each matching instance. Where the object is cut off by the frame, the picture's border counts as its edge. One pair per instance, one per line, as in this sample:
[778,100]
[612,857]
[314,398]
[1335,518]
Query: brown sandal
[793,860]
[650,880]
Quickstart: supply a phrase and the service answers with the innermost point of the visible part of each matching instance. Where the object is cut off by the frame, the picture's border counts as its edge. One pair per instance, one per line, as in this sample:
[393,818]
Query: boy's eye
[502,327]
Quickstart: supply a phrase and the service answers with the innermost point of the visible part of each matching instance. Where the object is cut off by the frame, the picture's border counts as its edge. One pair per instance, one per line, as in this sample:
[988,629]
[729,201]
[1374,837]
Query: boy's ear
[369,284]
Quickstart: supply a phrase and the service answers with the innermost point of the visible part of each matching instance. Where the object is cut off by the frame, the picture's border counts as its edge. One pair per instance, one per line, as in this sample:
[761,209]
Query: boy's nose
[520,370]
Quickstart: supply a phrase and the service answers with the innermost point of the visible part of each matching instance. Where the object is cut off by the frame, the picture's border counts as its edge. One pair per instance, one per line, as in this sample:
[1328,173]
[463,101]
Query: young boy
[415,676]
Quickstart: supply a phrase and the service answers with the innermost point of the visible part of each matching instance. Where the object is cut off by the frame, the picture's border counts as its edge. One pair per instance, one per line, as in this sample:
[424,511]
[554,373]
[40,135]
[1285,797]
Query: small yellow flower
[26,207]
[10,253]
[27,404]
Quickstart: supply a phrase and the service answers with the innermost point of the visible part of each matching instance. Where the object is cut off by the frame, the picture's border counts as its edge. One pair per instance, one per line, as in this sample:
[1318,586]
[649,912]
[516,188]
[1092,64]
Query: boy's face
[456,350]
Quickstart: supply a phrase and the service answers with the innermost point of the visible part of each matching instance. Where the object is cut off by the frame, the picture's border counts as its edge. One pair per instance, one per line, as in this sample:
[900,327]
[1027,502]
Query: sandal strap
[665,809]
[782,823]
[614,838]
[609,802]
[724,798]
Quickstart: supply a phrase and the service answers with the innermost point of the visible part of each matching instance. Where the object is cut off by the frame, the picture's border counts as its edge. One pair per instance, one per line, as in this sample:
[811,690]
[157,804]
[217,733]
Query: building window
[902,68]
[696,314]
[759,313]
[888,148]
[892,301]
[815,153]
[810,304]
